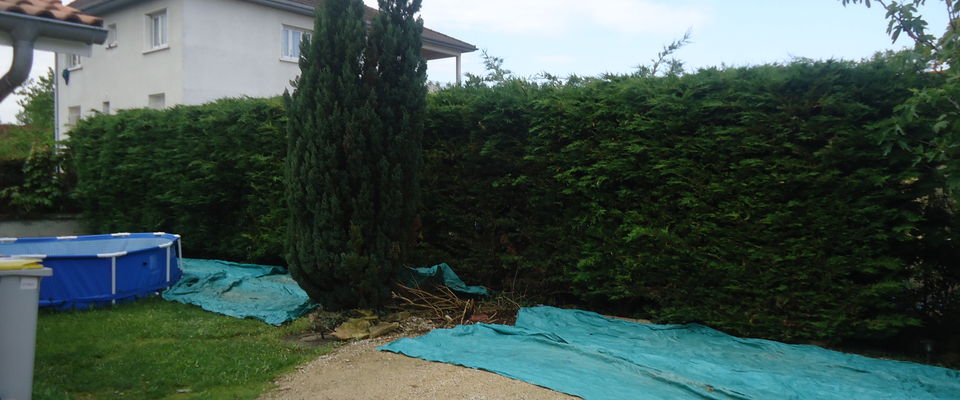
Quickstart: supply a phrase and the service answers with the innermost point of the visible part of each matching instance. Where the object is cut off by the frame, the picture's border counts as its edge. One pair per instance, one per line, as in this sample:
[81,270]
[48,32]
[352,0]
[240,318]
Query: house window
[106,107]
[290,42]
[73,115]
[157,30]
[157,101]
[111,36]
[73,61]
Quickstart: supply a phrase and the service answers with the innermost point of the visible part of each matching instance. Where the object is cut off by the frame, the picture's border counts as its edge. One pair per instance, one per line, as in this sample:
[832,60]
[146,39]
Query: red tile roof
[51,9]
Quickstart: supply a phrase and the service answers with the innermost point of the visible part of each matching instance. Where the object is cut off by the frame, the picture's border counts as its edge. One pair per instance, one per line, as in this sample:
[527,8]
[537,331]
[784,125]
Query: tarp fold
[264,292]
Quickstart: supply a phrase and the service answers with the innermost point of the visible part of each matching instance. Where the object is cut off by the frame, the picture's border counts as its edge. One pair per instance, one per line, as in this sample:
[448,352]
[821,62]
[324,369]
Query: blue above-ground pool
[100,269]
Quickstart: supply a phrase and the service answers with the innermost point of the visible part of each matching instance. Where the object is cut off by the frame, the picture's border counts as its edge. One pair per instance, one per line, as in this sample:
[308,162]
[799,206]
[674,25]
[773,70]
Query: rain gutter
[24,31]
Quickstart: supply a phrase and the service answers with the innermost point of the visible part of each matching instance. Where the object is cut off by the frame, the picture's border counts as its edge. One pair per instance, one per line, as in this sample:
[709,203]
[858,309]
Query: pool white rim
[112,255]
[171,239]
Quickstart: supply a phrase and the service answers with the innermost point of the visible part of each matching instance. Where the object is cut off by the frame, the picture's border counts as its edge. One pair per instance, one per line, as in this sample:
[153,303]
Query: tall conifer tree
[354,125]
[394,47]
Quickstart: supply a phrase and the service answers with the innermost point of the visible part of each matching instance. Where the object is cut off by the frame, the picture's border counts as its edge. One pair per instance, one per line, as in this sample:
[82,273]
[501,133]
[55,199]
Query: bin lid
[9,264]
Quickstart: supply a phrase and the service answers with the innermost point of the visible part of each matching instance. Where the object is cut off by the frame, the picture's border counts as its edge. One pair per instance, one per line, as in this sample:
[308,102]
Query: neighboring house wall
[215,49]
[127,74]
[235,49]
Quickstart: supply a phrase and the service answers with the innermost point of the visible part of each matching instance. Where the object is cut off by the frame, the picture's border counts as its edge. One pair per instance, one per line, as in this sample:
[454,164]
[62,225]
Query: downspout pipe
[23,38]
[24,30]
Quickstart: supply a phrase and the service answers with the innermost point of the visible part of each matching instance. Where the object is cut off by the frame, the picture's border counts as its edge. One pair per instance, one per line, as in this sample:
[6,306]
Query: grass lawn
[155,349]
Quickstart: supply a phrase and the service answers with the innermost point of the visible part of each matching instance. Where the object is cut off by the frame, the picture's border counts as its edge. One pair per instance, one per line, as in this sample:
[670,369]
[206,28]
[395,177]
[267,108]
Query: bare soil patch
[358,371]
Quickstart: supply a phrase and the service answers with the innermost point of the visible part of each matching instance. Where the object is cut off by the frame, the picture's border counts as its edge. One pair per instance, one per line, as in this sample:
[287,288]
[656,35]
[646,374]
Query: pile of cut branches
[446,309]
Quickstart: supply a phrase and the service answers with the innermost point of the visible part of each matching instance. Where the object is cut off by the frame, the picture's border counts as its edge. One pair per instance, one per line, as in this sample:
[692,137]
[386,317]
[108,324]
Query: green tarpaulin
[440,274]
[269,293]
[263,292]
[598,358]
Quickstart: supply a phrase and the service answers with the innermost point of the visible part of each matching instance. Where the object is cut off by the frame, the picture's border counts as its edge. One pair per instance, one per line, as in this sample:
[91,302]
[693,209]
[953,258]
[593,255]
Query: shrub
[211,173]
[751,200]
[17,141]
[43,184]
[756,200]
[11,174]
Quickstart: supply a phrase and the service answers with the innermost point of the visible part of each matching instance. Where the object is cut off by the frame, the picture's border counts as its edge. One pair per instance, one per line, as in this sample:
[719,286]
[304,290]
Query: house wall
[234,49]
[126,75]
[217,48]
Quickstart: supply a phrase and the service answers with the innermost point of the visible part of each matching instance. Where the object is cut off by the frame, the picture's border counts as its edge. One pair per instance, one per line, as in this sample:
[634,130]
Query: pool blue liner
[98,270]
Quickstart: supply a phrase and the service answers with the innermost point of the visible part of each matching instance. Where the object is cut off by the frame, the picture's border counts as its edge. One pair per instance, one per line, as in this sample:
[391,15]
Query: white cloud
[557,17]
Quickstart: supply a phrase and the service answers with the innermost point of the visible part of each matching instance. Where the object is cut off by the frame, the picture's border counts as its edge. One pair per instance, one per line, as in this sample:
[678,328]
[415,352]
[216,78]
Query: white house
[160,53]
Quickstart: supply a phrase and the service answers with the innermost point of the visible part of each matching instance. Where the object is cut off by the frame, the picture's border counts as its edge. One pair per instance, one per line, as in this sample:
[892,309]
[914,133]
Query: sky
[587,38]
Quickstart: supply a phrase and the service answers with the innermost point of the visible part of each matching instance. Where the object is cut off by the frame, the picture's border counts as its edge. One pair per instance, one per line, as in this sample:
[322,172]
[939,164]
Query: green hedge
[756,200]
[211,173]
[752,200]
[11,174]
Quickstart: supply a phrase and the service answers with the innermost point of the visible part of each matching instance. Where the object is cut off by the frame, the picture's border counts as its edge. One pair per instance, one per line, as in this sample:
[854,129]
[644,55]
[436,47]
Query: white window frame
[74,62]
[158,30]
[157,101]
[112,33]
[74,114]
[290,51]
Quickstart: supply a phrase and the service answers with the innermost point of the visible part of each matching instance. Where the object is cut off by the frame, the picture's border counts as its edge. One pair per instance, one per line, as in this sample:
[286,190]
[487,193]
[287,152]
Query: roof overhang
[103,6]
[459,48]
[286,5]
[52,35]
[433,48]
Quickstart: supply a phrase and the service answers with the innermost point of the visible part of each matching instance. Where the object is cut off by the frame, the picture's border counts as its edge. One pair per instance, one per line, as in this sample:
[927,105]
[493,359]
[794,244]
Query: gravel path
[357,371]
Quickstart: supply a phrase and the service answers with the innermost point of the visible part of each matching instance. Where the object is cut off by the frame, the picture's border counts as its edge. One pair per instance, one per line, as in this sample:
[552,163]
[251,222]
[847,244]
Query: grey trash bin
[19,295]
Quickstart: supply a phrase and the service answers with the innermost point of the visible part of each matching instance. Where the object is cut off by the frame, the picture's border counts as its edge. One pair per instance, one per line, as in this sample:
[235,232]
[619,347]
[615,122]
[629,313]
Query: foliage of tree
[674,66]
[927,124]
[496,73]
[393,57]
[327,161]
[926,128]
[45,184]
[32,179]
[355,120]
[36,104]
[17,141]
[35,121]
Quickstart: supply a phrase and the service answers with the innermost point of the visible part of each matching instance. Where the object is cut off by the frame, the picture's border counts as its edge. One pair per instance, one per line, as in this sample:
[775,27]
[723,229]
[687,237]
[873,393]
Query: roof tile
[52,9]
